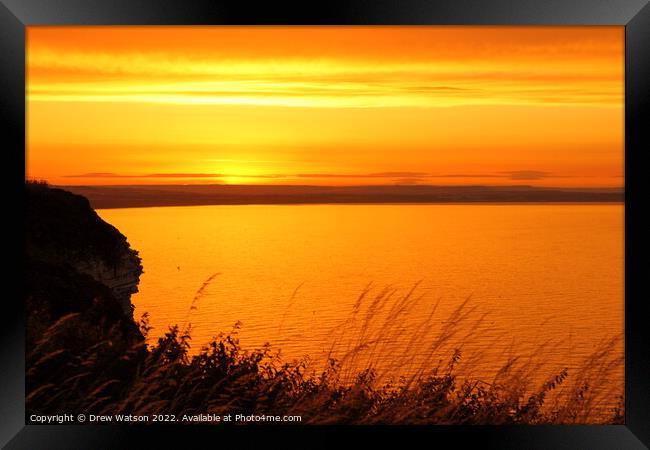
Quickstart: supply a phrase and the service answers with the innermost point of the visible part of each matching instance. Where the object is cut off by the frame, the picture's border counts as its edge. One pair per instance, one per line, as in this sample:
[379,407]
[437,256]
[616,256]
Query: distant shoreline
[142,196]
[374,204]
[370,204]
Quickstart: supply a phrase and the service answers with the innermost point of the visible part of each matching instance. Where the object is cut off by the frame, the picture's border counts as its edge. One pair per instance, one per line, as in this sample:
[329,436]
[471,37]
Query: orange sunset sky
[541,106]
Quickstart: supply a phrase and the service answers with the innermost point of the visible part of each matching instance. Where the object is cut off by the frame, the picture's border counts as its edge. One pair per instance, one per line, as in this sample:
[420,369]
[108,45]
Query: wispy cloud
[361,175]
[321,93]
[149,175]
[403,177]
[435,79]
[528,174]
[534,175]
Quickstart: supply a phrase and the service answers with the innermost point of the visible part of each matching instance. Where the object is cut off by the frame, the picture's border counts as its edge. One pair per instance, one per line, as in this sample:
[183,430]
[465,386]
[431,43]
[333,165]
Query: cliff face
[80,273]
[64,232]
[121,278]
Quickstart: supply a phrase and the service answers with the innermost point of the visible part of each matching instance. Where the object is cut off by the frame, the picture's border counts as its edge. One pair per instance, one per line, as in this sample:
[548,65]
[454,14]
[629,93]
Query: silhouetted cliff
[76,264]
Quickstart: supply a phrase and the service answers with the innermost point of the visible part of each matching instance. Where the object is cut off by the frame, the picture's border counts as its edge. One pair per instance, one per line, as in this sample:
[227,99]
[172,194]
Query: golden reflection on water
[542,279]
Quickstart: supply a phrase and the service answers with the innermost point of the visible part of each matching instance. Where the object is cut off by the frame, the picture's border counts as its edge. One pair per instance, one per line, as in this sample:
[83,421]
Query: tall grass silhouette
[379,369]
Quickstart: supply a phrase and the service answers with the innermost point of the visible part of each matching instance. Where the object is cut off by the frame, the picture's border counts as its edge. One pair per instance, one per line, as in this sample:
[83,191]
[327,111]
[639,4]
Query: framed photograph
[380,218]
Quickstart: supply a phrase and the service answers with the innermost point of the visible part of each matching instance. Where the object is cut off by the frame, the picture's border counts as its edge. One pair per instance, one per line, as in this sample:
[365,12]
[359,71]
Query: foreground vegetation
[106,377]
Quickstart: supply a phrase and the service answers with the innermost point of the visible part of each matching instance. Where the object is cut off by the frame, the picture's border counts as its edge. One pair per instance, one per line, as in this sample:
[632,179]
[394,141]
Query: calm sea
[384,284]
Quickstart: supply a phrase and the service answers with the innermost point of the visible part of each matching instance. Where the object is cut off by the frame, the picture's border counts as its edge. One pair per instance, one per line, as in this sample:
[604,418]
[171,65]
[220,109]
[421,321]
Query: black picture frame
[15,15]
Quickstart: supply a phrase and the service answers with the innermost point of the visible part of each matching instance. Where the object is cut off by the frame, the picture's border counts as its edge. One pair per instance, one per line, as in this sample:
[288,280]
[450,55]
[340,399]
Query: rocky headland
[76,264]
